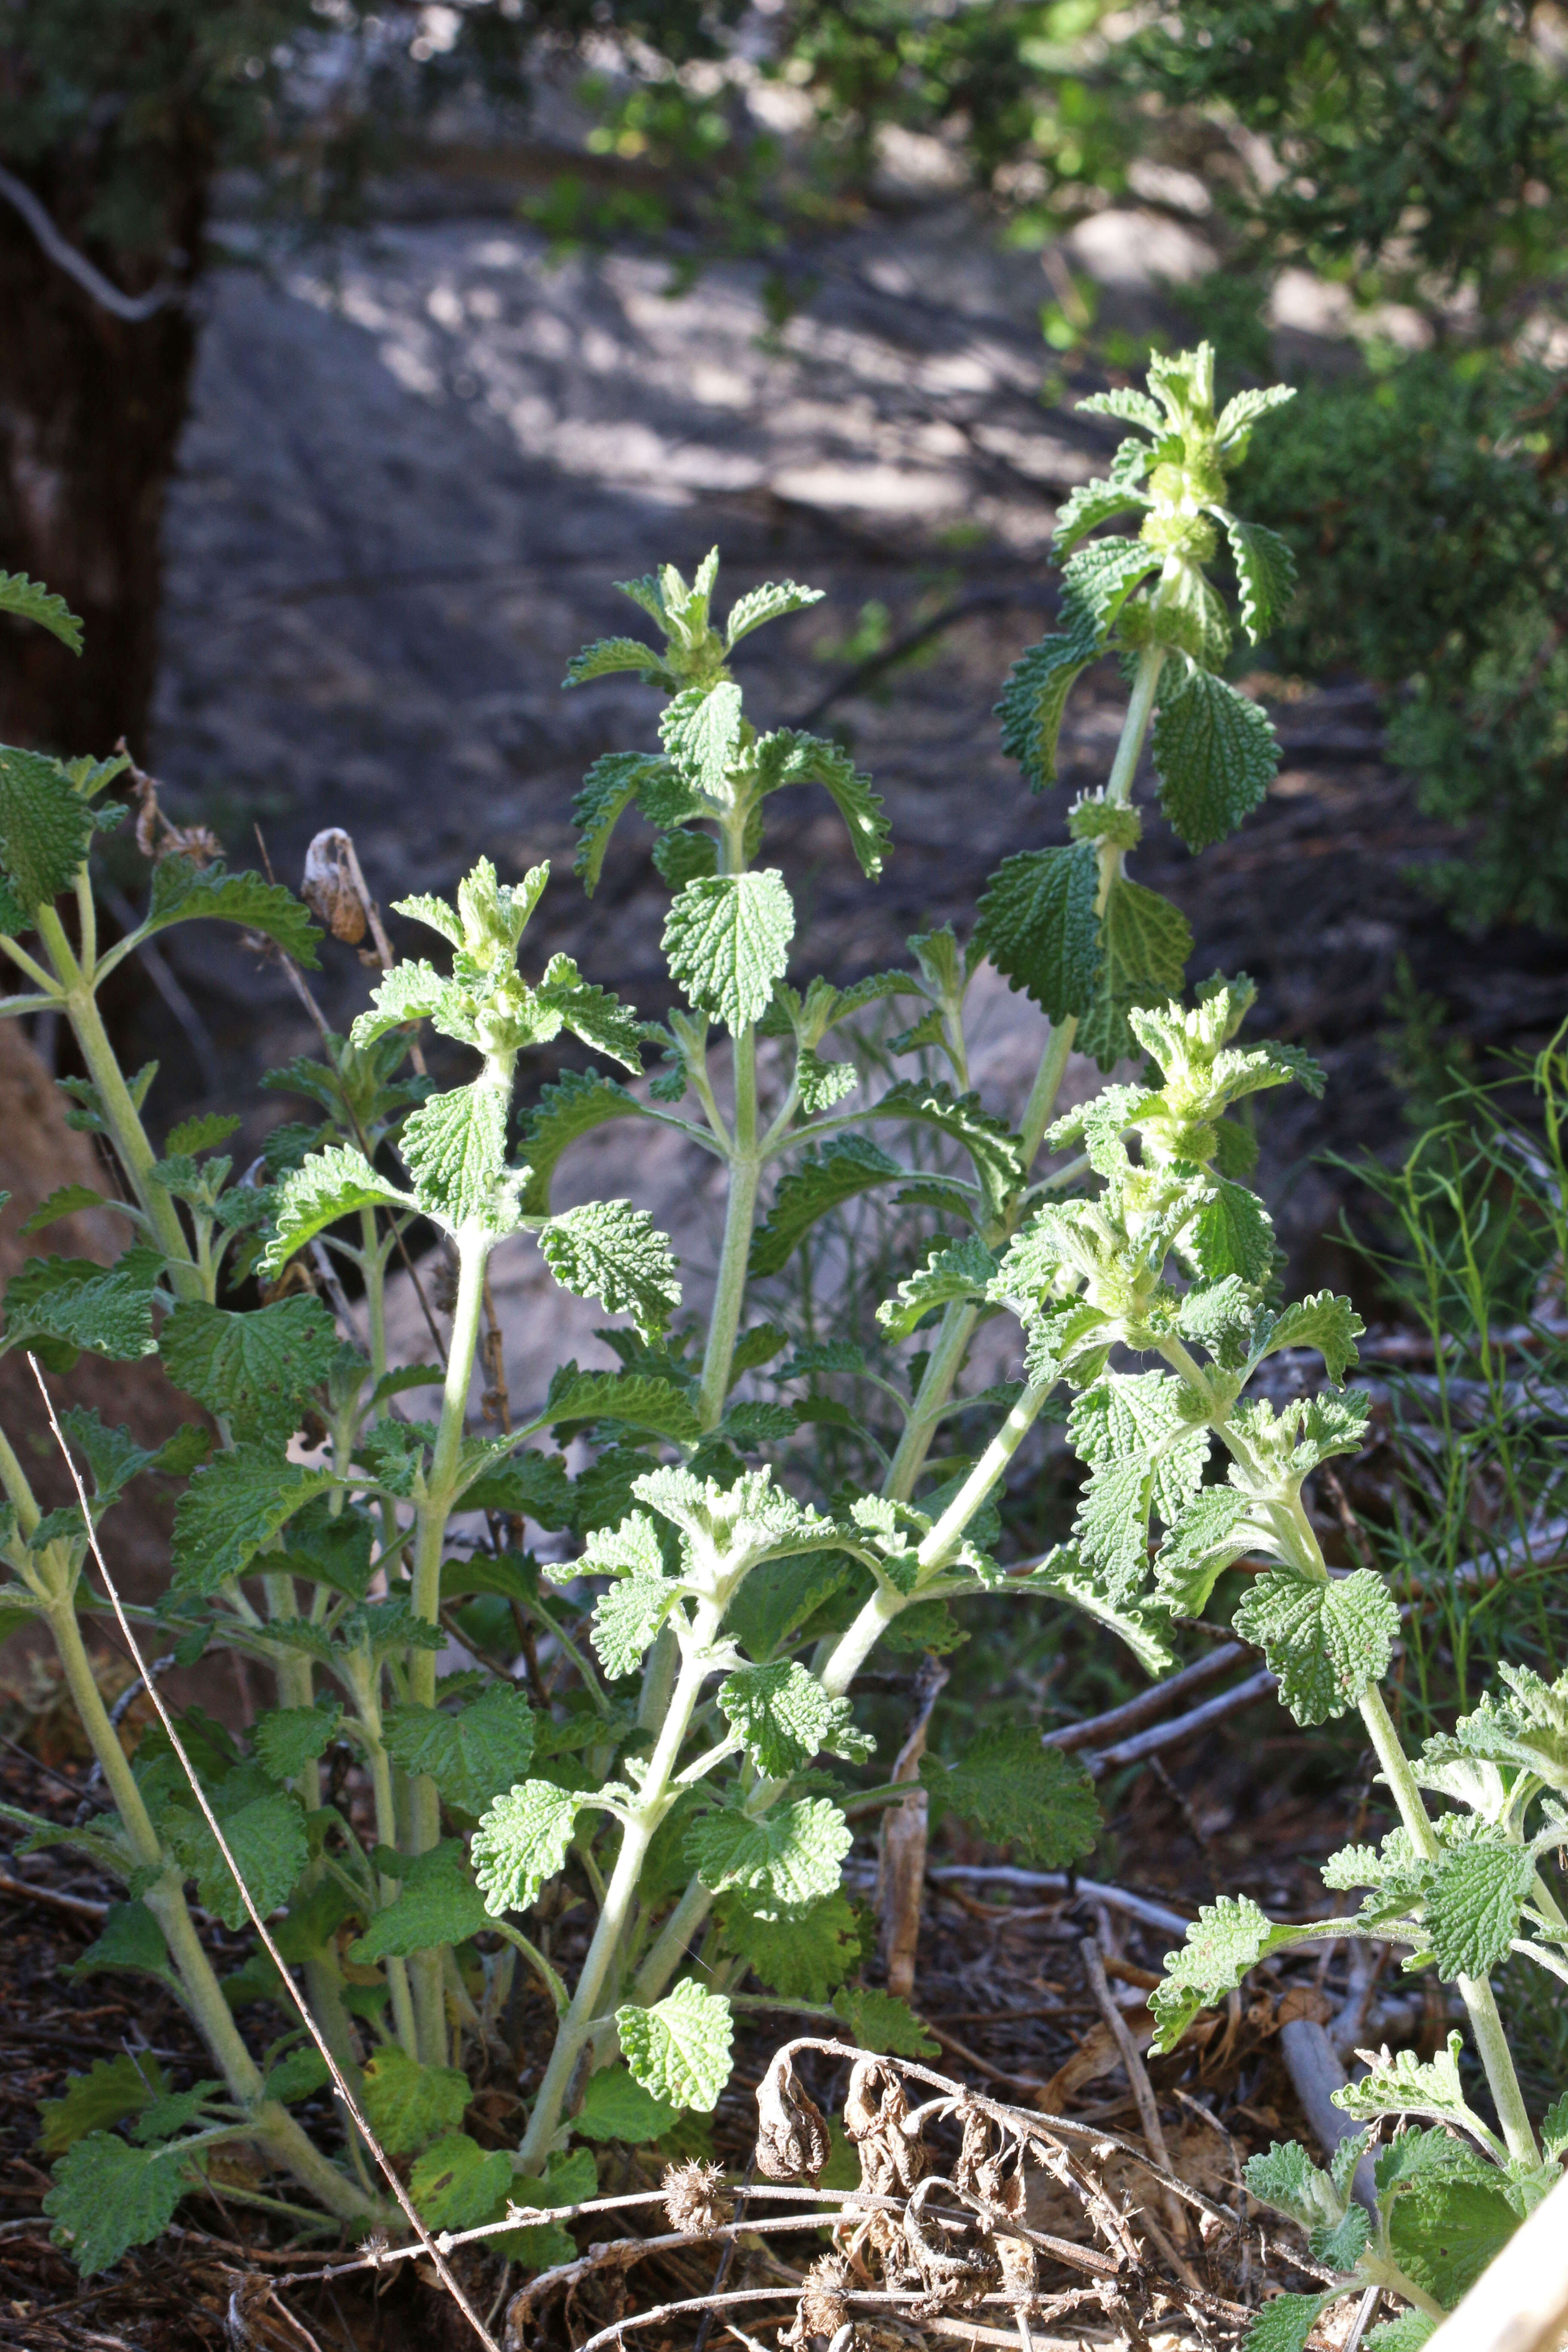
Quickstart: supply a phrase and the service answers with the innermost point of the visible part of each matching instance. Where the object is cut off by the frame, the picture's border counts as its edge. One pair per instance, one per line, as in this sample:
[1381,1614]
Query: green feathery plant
[716,1604]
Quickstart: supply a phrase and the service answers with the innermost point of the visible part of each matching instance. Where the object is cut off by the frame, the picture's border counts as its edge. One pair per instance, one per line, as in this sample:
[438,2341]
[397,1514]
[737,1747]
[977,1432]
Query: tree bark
[90,412]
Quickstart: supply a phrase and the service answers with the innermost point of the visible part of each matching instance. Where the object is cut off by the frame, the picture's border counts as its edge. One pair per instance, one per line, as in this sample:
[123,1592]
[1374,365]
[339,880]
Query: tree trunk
[91,411]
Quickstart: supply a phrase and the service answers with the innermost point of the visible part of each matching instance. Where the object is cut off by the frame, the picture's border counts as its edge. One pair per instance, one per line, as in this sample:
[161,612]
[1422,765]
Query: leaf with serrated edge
[627,1618]
[1472,1907]
[771,601]
[1038,924]
[791,757]
[232,1509]
[1014,1793]
[576,1104]
[1328,1641]
[727,940]
[407,2104]
[783,1717]
[438,1904]
[701,730]
[791,1855]
[1227,1939]
[328,1185]
[454,1144]
[879,2020]
[848,1164]
[269,1844]
[522,1842]
[255,1368]
[1322,1321]
[679,2049]
[31,601]
[609,1251]
[1215,752]
[1265,572]
[801,1954]
[108,2197]
[471,1755]
[607,655]
[184,892]
[961,1270]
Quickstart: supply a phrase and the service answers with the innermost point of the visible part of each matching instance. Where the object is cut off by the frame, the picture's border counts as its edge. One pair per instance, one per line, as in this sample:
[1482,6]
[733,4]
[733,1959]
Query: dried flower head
[695,2197]
[792,2136]
[876,2119]
[330,887]
[822,2311]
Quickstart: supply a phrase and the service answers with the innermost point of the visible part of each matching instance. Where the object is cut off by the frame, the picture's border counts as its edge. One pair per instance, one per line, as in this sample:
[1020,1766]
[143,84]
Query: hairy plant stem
[268,2120]
[1481,2001]
[130,1137]
[654,1800]
[740,1215]
[1476,1993]
[957,1327]
[474,1244]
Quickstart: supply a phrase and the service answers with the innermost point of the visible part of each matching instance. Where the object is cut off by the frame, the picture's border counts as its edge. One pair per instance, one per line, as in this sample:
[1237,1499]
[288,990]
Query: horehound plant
[665,1771]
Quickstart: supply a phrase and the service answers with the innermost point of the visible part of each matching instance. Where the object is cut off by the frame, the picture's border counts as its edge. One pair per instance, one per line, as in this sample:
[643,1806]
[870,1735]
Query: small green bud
[1093,818]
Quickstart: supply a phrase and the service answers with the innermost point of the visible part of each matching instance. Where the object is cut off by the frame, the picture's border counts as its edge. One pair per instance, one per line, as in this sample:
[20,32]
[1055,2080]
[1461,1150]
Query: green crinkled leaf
[408,2105]
[962,1269]
[411,991]
[1097,583]
[1016,1794]
[822,1083]
[286,1738]
[457,2184]
[679,2049]
[628,1617]
[108,2197]
[783,1718]
[701,730]
[112,2089]
[1406,2085]
[607,655]
[592,1013]
[1232,1233]
[781,1596]
[233,1508]
[615,2106]
[1285,2323]
[542,2246]
[847,1164]
[771,601]
[269,1843]
[183,893]
[1408,2333]
[131,1938]
[1210,1536]
[330,1185]
[1089,504]
[988,1141]
[1327,1640]
[1215,752]
[573,1106]
[1038,926]
[1227,1939]
[255,1369]
[84,1305]
[727,940]
[1472,1906]
[791,1855]
[1444,2233]
[1033,700]
[65,1202]
[471,1755]
[455,1145]
[31,601]
[1322,1321]
[522,1842]
[791,757]
[1285,2176]
[609,1251]
[297,2074]
[799,1955]
[1238,415]
[1265,572]
[1145,943]
[638,1398]
[1132,408]
[45,827]
[439,1904]
[879,2020]
[611,784]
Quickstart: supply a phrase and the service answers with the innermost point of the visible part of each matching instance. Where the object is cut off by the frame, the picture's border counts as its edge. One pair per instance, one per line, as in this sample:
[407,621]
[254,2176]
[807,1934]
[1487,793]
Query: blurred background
[351,354]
